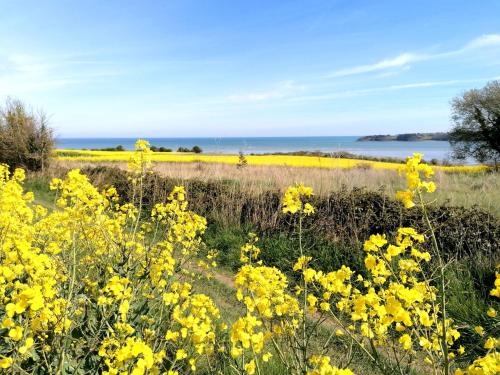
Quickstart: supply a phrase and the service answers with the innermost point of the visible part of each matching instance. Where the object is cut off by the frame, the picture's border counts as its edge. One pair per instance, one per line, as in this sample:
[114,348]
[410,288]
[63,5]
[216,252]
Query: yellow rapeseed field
[284,160]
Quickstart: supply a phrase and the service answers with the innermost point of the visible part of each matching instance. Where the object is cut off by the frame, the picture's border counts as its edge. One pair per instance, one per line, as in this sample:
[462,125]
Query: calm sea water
[431,149]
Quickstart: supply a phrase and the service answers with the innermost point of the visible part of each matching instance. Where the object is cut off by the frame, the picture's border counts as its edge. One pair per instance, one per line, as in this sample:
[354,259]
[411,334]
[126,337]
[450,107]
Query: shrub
[26,140]
[160,149]
[197,150]
[242,161]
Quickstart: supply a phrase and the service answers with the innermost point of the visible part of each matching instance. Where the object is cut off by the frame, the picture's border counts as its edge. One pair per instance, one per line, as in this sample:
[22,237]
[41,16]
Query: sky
[217,68]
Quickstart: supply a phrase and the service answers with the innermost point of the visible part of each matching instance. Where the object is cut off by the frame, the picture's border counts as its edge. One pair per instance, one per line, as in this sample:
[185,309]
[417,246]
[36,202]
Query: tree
[476,130]
[197,150]
[26,140]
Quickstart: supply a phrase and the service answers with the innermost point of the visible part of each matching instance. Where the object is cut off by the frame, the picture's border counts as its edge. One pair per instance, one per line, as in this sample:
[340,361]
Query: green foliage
[197,150]
[160,149]
[476,130]
[117,148]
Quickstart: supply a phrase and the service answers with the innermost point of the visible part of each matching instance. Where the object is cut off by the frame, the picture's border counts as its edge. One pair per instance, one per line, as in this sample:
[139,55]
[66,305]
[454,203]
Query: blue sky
[246,68]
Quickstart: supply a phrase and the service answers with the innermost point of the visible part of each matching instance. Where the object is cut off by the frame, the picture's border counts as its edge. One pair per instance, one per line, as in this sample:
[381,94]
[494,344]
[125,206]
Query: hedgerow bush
[346,216]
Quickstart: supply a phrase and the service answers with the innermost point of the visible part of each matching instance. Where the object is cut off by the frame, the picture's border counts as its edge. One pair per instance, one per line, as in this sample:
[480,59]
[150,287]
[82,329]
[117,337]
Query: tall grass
[455,189]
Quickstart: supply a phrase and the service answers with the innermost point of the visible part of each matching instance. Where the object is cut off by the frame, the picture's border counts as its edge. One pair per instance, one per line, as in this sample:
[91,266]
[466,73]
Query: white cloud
[353,93]
[23,74]
[280,91]
[486,40]
[407,58]
[399,61]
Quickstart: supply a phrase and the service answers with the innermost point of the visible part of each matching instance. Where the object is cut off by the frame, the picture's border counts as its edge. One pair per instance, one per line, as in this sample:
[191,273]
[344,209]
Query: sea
[440,150]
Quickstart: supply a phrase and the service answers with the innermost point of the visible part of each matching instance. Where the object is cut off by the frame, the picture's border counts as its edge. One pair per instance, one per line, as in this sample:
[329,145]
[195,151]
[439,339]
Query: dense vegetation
[26,140]
[136,303]
[476,129]
[116,148]
[195,149]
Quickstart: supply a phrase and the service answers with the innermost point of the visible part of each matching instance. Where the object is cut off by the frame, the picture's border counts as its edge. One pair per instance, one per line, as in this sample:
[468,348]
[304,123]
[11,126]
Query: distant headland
[409,137]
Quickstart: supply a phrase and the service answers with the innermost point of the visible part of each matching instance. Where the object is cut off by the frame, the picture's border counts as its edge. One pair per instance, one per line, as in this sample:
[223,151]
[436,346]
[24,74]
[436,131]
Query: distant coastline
[407,137]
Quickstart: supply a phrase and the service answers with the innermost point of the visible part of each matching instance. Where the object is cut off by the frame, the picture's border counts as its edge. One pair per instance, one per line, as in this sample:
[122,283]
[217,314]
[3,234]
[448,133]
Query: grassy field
[456,189]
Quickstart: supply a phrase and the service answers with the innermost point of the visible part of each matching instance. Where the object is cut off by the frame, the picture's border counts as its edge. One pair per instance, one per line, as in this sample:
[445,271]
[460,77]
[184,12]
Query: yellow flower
[490,343]
[266,357]
[406,197]
[301,263]
[250,367]
[479,330]
[309,275]
[293,200]
[6,362]
[180,354]
[414,170]
[27,345]
[491,312]
[405,340]
[16,333]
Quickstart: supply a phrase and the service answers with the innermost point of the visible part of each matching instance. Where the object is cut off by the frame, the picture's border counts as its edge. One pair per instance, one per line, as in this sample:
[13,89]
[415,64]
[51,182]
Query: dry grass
[458,189]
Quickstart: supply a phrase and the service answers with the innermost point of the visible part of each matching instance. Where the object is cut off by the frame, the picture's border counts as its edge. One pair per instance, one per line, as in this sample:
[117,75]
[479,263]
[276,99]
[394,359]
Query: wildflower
[293,200]
[180,354]
[27,345]
[301,263]
[405,340]
[6,362]
[16,333]
[414,171]
[250,367]
[479,330]
[491,312]
[266,357]
[490,343]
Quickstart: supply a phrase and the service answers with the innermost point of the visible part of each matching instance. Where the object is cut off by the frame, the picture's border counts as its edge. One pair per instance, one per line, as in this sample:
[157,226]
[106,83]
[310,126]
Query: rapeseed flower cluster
[395,312]
[92,286]
[415,172]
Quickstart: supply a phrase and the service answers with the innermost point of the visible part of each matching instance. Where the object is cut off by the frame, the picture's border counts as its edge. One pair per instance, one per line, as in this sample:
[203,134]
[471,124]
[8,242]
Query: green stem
[442,286]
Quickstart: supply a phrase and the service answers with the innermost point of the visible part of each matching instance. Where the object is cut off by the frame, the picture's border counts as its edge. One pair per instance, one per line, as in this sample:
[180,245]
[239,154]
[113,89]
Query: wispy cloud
[399,61]
[487,40]
[22,74]
[408,58]
[280,91]
[377,90]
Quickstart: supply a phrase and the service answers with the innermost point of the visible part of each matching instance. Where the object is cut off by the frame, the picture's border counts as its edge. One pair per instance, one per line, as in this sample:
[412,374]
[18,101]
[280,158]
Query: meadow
[155,268]
[455,189]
